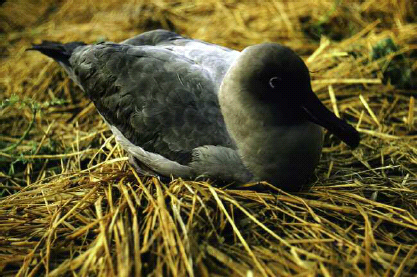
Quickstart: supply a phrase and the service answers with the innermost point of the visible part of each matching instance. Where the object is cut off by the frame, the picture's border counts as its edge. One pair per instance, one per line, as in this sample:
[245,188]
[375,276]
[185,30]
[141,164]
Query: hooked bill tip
[319,114]
[354,139]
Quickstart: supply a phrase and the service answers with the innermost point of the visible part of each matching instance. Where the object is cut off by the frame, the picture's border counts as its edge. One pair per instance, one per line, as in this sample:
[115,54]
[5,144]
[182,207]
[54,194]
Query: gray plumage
[189,108]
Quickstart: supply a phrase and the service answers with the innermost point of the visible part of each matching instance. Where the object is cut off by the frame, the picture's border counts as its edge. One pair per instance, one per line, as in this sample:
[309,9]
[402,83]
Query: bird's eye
[274,81]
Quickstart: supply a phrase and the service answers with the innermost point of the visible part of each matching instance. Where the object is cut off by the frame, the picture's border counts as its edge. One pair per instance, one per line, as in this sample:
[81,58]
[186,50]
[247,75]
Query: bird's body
[187,108]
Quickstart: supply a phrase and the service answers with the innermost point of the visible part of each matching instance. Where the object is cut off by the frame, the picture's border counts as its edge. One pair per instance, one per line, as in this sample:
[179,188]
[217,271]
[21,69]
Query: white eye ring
[274,80]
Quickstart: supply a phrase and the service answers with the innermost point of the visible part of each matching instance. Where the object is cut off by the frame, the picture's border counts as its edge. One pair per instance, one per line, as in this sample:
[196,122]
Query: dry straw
[71,205]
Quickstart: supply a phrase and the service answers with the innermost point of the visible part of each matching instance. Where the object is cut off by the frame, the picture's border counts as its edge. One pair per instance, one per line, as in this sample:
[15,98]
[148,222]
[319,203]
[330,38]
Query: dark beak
[319,114]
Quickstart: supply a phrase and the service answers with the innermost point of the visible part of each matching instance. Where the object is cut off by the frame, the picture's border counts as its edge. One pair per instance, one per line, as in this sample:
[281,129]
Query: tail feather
[61,52]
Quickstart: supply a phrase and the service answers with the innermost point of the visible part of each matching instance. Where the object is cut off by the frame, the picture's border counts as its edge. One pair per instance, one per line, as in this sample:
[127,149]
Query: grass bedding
[72,206]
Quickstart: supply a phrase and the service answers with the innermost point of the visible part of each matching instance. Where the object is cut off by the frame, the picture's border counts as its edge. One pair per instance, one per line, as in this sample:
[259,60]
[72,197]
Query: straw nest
[71,206]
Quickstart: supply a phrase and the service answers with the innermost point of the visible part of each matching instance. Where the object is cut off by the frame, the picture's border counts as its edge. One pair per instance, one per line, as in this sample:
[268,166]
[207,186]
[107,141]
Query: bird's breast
[283,155]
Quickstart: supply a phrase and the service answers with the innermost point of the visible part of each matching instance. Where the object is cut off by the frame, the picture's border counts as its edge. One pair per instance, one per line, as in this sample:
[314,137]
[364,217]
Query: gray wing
[215,59]
[160,101]
[155,37]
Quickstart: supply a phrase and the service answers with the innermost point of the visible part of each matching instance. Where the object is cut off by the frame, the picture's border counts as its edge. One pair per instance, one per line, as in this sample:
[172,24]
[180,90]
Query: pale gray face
[277,76]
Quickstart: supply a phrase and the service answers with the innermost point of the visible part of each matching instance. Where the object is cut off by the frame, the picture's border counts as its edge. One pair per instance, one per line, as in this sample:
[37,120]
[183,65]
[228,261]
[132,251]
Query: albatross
[187,108]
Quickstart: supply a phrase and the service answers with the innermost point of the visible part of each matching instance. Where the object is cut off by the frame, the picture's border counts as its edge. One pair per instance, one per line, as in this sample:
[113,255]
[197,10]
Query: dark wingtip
[58,51]
[45,44]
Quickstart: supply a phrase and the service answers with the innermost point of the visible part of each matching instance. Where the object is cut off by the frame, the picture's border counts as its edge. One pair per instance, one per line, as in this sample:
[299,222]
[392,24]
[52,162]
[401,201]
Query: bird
[186,108]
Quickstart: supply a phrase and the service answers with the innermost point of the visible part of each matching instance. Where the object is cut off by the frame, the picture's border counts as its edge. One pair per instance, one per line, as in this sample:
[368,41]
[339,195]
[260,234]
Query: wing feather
[161,101]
